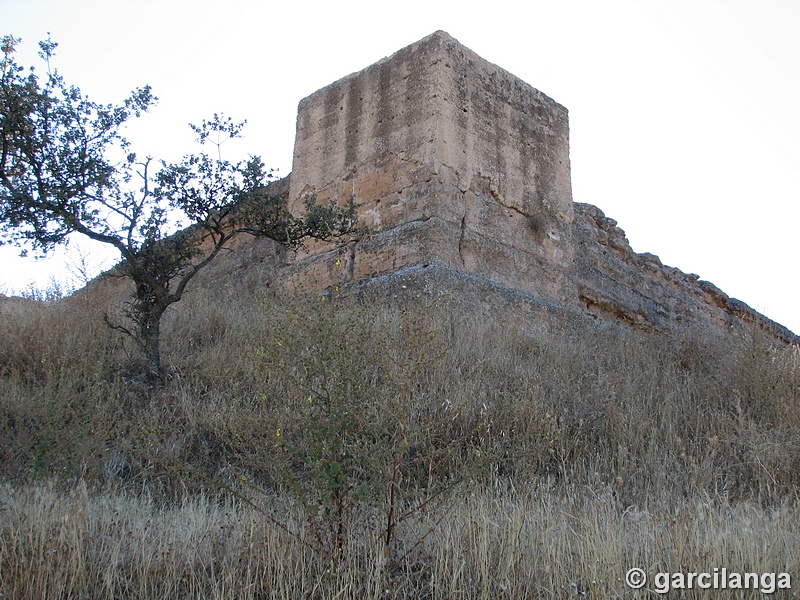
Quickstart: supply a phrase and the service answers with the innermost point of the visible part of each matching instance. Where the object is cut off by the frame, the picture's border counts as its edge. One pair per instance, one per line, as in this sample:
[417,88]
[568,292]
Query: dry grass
[536,543]
[330,450]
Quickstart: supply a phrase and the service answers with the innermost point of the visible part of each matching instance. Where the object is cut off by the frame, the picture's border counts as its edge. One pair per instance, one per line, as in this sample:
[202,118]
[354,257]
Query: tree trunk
[152,342]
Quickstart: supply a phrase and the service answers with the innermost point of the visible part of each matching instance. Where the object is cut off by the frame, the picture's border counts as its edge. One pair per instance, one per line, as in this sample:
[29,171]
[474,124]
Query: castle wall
[436,132]
[458,164]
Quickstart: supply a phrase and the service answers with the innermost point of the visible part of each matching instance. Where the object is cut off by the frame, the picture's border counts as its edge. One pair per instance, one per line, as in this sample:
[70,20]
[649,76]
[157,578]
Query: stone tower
[462,172]
[455,161]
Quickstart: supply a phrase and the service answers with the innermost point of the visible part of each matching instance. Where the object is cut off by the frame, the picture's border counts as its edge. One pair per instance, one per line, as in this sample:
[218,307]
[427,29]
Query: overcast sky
[684,115]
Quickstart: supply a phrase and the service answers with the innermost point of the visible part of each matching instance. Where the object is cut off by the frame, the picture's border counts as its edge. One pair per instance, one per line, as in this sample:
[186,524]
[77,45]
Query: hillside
[372,448]
[487,395]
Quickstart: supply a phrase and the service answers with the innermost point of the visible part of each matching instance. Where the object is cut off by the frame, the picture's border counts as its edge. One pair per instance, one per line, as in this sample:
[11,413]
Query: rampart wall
[458,164]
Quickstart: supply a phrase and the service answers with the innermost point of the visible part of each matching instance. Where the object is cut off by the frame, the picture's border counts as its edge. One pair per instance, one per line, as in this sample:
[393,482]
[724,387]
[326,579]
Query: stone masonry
[461,166]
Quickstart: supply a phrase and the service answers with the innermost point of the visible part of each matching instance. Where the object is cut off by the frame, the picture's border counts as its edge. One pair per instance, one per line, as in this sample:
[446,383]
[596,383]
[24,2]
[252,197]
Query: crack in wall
[439,182]
[496,197]
[463,232]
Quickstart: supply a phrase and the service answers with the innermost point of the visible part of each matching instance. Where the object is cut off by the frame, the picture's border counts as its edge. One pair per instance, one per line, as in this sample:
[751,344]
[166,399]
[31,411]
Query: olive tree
[66,168]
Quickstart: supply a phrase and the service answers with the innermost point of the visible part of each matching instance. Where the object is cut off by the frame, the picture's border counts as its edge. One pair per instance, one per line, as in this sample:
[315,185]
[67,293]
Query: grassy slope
[310,449]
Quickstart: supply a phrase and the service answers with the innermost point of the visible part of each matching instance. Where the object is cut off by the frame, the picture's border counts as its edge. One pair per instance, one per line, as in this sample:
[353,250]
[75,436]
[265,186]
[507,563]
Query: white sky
[684,115]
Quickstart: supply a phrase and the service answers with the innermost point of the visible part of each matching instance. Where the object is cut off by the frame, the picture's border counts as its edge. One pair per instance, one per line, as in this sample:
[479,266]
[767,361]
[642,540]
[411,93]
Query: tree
[66,168]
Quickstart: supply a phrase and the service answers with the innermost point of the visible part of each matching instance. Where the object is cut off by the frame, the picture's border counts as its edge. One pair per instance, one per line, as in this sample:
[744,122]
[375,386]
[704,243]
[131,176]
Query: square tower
[453,160]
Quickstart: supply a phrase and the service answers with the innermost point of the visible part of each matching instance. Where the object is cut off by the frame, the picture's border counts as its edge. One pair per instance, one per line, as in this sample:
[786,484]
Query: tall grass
[329,449]
[531,543]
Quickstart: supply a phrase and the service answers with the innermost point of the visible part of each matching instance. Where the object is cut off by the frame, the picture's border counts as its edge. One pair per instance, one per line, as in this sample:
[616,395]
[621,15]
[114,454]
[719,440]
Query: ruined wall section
[462,168]
[455,161]
[617,284]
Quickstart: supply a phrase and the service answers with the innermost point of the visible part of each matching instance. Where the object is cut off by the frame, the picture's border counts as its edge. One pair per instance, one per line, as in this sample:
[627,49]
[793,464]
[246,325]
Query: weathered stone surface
[461,166]
[432,105]
[463,175]
[436,131]
[616,283]
[455,161]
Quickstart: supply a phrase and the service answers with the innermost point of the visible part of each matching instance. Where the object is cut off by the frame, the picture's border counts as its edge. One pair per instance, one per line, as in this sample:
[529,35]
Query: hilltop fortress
[462,173]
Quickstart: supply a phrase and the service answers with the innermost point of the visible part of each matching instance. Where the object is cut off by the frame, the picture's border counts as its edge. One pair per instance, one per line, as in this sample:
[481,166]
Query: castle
[462,173]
